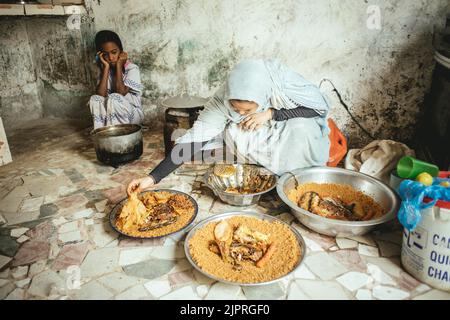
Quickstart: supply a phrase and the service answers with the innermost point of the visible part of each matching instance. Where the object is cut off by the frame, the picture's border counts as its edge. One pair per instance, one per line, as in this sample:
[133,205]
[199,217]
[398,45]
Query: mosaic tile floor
[56,243]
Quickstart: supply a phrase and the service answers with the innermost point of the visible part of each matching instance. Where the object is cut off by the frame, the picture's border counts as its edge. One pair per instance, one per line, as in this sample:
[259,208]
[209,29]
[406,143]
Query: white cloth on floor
[378,158]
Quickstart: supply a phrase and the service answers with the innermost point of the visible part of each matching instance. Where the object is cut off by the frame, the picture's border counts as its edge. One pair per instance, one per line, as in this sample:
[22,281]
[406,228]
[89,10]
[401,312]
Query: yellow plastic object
[445,184]
[425,178]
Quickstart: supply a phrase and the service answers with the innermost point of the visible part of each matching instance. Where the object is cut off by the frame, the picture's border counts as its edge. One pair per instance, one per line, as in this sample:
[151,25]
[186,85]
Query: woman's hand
[138,185]
[255,120]
[105,63]
[123,57]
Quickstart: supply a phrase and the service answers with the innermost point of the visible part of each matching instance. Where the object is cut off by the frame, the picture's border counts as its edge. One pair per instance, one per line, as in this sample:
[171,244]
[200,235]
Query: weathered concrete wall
[46,67]
[62,64]
[19,93]
[382,74]
[191,45]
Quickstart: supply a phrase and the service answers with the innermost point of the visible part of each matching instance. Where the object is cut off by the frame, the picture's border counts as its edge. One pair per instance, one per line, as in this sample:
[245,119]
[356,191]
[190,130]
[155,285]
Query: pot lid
[184,101]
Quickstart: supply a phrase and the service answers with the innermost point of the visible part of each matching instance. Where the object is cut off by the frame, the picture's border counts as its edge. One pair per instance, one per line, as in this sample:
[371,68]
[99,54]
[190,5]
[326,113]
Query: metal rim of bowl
[210,171]
[300,241]
[135,128]
[390,215]
[114,212]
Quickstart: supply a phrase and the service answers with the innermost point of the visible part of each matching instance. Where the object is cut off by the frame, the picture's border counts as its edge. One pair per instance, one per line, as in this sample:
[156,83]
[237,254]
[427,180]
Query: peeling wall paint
[64,66]
[19,90]
[48,69]
[190,46]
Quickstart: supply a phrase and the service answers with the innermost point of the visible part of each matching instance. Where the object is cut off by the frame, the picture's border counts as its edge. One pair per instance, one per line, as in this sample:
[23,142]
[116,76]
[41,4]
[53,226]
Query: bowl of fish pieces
[239,184]
[336,201]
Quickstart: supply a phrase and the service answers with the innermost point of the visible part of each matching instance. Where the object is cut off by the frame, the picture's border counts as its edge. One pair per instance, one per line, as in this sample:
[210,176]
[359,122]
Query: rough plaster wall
[190,46]
[381,74]
[19,92]
[62,64]
[48,68]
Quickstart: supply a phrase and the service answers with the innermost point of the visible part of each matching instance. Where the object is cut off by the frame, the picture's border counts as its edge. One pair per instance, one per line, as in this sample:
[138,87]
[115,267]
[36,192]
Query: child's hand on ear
[123,57]
[102,59]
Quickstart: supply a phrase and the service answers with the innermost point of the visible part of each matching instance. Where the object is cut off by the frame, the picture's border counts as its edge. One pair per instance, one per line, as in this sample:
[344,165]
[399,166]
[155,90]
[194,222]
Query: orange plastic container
[338,144]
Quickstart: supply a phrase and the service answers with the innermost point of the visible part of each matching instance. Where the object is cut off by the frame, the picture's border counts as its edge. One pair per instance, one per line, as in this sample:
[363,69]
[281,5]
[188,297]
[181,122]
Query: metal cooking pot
[118,144]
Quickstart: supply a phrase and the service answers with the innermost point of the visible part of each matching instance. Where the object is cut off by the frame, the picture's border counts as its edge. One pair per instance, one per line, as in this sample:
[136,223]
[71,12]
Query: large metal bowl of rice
[382,194]
[283,263]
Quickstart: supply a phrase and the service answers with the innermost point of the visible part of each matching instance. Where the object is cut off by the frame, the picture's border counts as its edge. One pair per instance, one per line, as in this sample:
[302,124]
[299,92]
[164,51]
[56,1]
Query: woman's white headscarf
[271,84]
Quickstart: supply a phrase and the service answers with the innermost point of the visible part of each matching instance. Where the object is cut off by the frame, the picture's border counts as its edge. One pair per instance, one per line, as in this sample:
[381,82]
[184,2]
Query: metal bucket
[118,144]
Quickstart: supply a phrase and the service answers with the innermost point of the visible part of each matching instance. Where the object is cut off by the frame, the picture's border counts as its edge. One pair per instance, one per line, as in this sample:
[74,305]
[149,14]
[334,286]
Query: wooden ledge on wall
[46,9]
[50,7]
[12,9]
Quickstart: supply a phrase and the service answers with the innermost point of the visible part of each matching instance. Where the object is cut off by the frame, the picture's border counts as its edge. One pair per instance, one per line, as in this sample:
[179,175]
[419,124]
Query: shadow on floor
[40,133]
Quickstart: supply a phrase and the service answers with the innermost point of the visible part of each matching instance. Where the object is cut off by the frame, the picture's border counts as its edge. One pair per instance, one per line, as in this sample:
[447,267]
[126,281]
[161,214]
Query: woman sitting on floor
[119,89]
[267,114]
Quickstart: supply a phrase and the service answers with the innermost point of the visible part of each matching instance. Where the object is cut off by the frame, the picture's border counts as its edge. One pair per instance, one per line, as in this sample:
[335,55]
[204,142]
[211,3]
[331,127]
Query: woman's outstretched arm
[299,112]
[180,154]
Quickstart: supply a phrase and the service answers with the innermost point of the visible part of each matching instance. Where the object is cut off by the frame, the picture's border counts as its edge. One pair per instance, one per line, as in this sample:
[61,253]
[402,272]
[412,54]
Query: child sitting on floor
[118,95]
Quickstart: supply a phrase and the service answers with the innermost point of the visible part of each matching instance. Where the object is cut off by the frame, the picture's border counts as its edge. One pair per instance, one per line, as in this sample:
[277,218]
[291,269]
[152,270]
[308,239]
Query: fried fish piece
[270,251]
[223,235]
[133,212]
[327,207]
[158,223]
[245,252]
[338,208]
[241,245]
[162,196]
[180,202]
[149,200]
[245,235]
[213,247]
[160,215]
